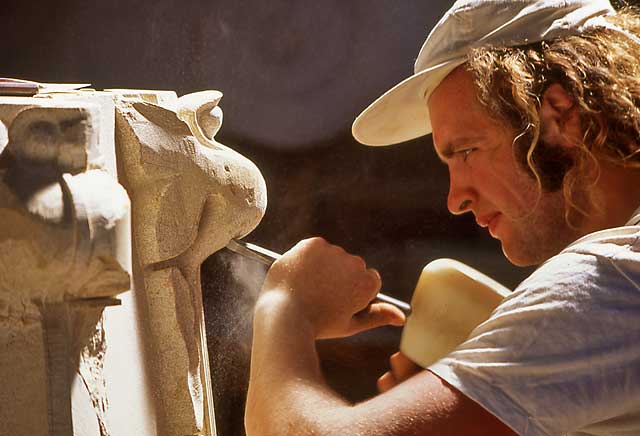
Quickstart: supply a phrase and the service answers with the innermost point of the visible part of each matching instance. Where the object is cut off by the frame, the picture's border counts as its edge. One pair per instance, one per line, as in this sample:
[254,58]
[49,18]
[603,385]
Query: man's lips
[490,221]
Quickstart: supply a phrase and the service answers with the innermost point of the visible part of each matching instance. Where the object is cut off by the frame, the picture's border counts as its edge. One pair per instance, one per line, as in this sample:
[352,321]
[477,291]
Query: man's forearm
[287,392]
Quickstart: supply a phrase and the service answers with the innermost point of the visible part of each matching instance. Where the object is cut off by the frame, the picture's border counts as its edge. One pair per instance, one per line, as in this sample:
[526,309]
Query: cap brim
[401,113]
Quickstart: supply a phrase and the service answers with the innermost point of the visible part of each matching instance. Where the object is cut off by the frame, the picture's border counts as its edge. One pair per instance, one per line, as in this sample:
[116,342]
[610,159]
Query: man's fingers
[370,282]
[377,315]
[385,382]
[402,367]
[387,312]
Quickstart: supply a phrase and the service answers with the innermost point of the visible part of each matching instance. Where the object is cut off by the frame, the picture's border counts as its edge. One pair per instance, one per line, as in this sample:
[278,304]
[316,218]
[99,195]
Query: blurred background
[294,76]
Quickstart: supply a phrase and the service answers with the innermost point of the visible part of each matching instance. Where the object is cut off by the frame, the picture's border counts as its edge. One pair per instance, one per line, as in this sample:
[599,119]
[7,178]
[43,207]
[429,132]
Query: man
[534,108]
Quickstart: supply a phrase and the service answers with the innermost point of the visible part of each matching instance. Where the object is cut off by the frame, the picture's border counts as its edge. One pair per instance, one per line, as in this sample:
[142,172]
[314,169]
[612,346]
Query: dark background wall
[294,75]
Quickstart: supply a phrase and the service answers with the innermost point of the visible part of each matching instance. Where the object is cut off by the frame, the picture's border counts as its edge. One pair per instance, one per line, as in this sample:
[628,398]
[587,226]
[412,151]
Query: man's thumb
[377,315]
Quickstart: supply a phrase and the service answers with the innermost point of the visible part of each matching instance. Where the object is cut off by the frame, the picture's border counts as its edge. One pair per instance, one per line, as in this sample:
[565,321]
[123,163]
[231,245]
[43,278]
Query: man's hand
[401,369]
[328,289]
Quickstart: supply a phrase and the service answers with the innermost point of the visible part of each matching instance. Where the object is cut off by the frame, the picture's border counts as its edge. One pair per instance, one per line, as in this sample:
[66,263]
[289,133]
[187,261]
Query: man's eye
[466,152]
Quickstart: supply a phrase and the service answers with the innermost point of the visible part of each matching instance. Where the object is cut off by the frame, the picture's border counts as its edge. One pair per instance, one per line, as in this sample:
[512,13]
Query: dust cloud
[231,284]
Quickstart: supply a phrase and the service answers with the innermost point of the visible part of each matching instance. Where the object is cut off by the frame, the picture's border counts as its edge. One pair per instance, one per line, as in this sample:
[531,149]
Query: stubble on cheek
[541,234]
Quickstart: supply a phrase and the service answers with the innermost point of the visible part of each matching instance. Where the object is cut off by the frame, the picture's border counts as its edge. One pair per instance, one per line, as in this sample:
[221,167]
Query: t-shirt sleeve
[561,353]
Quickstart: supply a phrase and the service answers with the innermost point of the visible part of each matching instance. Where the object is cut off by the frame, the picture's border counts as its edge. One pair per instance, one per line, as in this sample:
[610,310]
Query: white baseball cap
[401,113]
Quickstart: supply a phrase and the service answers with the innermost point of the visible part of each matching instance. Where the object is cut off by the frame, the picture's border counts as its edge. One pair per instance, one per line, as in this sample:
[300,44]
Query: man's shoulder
[532,362]
[606,243]
[591,261]
[591,279]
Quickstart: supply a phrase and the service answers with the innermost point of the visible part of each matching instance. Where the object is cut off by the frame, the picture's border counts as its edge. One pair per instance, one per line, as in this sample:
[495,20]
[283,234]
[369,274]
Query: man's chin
[520,256]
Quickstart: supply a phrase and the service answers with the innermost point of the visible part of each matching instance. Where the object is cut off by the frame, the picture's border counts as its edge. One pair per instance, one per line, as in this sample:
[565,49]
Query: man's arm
[320,291]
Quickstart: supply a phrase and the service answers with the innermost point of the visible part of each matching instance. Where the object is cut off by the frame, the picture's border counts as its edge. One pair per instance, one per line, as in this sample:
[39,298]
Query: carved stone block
[68,246]
[62,213]
[190,196]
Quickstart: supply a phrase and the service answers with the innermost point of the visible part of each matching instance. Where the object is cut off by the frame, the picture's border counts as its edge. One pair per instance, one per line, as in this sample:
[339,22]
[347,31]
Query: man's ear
[560,118]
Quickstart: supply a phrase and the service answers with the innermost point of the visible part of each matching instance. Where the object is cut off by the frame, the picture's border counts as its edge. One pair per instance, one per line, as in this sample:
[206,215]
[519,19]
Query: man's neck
[617,196]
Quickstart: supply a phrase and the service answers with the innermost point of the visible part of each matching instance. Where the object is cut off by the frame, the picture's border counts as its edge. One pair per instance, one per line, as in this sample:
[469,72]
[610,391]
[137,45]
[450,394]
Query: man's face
[486,179]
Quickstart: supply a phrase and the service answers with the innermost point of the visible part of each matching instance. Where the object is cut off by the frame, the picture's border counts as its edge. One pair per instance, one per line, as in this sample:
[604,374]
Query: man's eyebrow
[450,148]
[444,154]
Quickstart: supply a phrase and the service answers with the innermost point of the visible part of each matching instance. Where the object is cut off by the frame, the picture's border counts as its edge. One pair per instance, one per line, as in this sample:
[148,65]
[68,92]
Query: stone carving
[68,246]
[190,196]
[61,212]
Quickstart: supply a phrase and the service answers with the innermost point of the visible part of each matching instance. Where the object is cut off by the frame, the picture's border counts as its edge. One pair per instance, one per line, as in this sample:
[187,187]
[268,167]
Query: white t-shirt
[561,354]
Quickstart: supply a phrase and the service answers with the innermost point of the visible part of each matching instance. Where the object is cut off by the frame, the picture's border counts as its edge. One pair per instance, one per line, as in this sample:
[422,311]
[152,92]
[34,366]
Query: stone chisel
[267,257]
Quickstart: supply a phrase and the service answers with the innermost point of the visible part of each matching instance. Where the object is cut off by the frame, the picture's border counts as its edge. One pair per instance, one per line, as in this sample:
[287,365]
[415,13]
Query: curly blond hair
[600,69]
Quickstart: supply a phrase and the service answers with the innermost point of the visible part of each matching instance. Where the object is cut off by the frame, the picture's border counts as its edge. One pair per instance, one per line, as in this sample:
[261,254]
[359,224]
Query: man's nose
[461,194]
